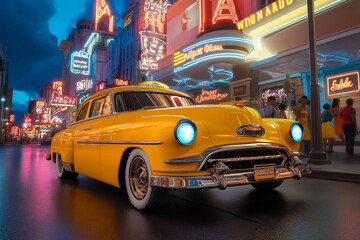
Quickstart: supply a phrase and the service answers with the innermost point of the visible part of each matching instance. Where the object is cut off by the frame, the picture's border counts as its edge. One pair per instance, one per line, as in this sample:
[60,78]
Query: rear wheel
[137,180]
[60,170]
[266,186]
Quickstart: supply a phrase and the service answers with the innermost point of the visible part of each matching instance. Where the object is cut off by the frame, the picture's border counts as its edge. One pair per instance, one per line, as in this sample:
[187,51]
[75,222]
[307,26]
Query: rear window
[130,101]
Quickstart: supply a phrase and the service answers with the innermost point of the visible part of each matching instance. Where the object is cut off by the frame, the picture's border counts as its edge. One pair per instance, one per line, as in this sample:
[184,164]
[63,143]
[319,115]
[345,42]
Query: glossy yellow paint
[113,136]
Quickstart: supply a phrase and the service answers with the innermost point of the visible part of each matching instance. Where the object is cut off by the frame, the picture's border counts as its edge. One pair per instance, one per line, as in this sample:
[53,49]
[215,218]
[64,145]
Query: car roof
[135,89]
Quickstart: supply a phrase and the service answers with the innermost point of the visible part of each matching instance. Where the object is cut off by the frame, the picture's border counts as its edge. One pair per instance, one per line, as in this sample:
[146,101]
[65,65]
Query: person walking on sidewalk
[349,126]
[282,108]
[302,115]
[271,110]
[338,120]
[327,130]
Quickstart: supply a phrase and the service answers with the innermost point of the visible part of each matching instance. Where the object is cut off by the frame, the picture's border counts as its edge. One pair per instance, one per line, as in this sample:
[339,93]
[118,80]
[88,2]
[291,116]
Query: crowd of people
[335,121]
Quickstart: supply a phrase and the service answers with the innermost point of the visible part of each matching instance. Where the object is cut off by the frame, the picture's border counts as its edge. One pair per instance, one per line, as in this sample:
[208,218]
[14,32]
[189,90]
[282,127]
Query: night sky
[32,31]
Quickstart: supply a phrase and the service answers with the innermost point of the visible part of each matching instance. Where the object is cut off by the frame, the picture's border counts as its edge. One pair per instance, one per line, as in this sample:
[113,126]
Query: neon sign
[152,37]
[84,85]
[12,118]
[225,10]
[102,9]
[345,83]
[101,86]
[120,82]
[80,63]
[265,12]
[211,96]
[61,100]
[58,86]
[192,54]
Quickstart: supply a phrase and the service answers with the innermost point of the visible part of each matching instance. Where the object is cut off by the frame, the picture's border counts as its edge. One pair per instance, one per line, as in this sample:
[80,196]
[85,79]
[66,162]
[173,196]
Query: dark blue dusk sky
[32,30]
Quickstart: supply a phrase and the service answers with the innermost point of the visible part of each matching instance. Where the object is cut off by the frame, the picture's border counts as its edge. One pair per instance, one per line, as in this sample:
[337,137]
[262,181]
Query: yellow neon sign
[180,57]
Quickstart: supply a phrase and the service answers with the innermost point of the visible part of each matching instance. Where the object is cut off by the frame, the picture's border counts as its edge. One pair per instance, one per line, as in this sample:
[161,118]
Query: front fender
[63,144]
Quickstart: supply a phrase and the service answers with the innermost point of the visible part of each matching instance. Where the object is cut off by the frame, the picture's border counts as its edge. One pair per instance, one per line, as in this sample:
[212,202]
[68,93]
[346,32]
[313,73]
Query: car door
[87,136]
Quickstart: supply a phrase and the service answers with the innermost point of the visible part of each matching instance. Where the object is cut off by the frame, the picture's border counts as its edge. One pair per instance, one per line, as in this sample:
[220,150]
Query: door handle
[86,129]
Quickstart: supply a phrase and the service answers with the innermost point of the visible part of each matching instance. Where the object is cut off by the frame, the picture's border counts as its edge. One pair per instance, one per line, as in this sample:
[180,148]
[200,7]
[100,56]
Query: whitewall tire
[137,180]
[60,170]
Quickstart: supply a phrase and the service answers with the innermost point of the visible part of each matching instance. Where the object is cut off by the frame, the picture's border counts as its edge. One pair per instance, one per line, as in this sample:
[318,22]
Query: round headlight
[185,131]
[297,131]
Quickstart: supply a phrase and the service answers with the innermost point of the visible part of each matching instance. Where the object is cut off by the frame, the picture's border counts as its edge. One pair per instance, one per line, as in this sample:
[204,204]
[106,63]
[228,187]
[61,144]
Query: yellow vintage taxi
[150,140]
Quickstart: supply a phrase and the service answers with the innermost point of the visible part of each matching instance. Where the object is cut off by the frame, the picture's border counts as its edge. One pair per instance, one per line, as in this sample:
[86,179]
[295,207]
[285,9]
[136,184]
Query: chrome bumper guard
[223,180]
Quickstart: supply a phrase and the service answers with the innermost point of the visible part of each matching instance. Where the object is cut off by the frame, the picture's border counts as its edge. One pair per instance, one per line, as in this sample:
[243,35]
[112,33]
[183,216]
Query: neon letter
[229,13]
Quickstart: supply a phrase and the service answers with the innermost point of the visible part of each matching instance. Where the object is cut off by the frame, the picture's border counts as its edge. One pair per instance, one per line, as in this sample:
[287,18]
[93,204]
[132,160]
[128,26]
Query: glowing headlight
[185,131]
[297,131]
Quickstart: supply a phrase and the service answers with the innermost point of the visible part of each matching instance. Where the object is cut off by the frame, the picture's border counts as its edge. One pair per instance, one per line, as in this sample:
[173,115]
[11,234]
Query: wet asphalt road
[35,204]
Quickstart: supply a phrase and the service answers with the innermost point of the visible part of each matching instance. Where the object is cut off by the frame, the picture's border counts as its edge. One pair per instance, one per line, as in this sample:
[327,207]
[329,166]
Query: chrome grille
[243,159]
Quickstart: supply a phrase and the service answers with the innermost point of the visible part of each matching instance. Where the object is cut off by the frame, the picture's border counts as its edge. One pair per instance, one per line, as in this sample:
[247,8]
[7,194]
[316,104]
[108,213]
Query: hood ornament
[251,130]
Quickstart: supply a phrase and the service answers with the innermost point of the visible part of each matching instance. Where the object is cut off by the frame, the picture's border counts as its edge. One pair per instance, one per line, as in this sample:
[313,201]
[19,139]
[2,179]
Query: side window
[82,113]
[97,107]
[107,106]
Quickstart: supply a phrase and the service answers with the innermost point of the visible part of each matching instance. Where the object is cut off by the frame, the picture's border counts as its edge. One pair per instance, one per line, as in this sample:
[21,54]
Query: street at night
[180,119]
[35,204]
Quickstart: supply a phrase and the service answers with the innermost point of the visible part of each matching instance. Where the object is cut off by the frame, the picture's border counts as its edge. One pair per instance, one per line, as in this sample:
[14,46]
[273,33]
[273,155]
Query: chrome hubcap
[138,177]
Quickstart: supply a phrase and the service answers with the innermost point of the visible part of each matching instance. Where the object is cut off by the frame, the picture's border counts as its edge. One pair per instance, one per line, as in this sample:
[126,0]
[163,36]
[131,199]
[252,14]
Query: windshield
[129,101]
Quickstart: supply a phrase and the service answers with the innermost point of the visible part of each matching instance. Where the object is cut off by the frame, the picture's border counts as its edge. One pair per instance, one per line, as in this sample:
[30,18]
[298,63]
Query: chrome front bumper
[224,180]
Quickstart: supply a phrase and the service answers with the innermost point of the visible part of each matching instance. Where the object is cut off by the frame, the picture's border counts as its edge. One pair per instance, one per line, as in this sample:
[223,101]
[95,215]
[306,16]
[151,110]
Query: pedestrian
[338,120]
[349,125]
[282,108]
[271,110]
[302,115]
[327,130]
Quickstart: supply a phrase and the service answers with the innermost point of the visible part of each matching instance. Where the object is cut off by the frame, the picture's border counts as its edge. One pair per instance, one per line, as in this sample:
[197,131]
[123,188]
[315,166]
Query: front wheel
[266,186]
[60,170]
[137,180]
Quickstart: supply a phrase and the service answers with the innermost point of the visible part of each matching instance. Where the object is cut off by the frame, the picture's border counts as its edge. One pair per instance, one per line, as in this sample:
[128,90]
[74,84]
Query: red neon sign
[120,82]
[343,83]
[210,96]
[225,10]
[61,100]
[102,8]
[12,118]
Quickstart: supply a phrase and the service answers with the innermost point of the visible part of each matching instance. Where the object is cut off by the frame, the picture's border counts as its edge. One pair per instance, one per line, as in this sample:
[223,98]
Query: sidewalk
[342,167]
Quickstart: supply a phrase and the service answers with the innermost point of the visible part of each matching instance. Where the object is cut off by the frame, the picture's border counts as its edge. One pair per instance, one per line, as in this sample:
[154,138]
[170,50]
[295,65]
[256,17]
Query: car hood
[221,121]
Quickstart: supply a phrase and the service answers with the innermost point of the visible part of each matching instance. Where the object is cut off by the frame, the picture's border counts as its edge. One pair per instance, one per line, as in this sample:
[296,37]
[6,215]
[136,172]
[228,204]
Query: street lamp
[3,99]
[317,154]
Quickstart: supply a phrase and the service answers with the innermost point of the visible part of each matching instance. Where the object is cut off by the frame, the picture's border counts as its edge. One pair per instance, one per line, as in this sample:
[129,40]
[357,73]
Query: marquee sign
[62,100]
[80,63]
[264,13]
[343,84]
[103,9]
[211,96]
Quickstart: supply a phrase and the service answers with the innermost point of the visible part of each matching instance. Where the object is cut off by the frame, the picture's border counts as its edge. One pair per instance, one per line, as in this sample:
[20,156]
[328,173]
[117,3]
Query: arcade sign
[80,63]
[344,83]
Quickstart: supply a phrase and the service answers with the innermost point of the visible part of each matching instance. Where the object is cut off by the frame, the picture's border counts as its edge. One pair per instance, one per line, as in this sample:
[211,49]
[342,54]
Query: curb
[336,176]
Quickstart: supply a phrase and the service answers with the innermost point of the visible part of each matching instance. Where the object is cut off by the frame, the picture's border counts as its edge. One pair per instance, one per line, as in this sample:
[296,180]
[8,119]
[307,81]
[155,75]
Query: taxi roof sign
[153,84]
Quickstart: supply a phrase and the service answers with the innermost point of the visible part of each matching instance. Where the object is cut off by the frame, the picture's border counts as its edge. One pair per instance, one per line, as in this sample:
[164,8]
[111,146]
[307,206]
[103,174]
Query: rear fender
[63,144]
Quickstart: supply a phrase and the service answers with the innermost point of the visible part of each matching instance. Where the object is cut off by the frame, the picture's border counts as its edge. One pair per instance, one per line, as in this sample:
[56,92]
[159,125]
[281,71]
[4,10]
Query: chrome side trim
[212,151]
[125,143]
[184,160]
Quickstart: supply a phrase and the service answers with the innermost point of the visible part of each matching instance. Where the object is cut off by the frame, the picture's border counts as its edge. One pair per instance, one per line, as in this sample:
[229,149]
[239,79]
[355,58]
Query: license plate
[263,172]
